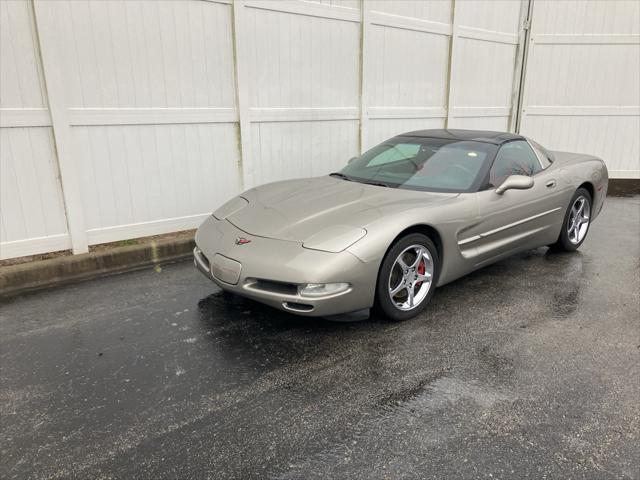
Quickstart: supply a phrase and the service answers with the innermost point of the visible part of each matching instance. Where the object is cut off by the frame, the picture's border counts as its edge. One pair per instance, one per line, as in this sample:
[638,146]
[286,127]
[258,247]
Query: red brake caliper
[421,270]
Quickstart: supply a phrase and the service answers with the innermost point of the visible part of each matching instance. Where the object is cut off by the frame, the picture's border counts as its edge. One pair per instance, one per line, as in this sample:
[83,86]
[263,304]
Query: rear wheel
[407,277]
[576,222]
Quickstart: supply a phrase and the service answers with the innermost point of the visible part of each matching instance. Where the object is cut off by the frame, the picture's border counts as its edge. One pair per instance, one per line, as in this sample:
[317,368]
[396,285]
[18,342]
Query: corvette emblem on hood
[242,241]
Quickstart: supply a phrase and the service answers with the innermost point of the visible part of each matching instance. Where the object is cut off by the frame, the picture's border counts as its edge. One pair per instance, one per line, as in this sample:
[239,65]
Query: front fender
[447,218]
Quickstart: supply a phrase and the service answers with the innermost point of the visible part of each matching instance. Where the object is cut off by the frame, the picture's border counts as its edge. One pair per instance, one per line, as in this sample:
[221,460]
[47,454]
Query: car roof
[497,138]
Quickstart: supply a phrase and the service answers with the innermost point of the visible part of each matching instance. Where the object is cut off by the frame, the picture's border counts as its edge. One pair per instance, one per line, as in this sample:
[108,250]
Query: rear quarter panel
[579,169]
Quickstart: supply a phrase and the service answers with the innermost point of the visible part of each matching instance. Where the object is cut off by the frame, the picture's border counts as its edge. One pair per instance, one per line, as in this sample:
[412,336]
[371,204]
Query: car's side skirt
[470,250]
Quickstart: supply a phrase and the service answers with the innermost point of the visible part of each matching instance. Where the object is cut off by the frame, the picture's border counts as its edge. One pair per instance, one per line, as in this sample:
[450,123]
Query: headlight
[322,289]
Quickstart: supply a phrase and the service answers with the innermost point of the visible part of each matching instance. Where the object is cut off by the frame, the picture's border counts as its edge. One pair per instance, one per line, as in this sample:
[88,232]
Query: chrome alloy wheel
[411,277]
[578,222]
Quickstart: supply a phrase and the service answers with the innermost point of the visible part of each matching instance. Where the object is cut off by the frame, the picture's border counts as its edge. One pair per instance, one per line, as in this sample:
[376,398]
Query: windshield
[429,164]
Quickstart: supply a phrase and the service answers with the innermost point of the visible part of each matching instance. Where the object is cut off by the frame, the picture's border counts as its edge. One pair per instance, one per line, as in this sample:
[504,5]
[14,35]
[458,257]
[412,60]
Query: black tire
[564,242]
[383,302]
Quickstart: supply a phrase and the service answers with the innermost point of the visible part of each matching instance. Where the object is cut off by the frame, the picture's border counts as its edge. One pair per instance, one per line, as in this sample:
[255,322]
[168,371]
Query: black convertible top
[497,138]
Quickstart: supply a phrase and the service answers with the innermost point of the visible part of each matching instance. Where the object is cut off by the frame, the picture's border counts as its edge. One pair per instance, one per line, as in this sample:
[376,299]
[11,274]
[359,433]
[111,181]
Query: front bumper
[268,271]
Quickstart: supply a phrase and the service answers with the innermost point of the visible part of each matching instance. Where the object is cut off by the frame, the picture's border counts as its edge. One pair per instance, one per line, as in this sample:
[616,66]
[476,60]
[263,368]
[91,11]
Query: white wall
[31,206]
[582,84]
[149,97]
[125,118]
[299,65]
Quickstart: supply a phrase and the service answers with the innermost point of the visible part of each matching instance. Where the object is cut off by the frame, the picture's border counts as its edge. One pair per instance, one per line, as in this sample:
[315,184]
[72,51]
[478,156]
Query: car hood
[330,212]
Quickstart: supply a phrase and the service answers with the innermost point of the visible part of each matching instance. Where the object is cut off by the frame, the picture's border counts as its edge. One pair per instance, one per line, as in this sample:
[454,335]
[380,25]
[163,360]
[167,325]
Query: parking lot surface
[528,368]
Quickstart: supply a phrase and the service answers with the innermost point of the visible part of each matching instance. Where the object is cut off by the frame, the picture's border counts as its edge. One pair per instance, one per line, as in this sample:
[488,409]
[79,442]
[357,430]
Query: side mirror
[516,182]
[351,160]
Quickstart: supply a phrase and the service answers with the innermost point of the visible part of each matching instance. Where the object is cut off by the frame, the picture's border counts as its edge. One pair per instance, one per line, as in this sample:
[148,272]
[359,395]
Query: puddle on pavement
[410,417]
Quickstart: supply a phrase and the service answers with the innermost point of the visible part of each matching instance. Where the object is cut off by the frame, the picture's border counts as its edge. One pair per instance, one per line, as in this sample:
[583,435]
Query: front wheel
[576,222]
[407,277]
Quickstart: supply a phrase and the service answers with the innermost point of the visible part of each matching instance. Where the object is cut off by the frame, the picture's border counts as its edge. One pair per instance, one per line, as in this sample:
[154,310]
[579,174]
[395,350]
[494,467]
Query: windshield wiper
[349,179]
[340,175]
[377,184]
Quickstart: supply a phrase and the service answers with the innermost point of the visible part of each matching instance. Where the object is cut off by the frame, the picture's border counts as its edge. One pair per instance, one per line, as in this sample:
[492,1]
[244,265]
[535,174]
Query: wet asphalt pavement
[526,369]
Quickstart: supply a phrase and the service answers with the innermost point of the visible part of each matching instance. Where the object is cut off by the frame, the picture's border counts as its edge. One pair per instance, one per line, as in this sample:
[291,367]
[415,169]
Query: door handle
[551,184]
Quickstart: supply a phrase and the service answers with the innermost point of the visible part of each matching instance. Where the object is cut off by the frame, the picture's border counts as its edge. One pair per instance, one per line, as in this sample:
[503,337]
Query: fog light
[322,289]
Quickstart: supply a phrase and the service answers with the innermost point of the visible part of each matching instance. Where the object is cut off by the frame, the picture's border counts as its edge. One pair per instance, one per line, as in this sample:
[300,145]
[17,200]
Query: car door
[517,219]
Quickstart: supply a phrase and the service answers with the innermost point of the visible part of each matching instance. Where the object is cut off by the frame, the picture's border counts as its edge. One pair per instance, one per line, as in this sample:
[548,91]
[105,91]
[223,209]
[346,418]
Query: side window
[513,158]
[545,156]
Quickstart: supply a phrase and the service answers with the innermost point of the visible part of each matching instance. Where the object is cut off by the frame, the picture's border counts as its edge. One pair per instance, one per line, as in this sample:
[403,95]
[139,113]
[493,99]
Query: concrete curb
[15,279]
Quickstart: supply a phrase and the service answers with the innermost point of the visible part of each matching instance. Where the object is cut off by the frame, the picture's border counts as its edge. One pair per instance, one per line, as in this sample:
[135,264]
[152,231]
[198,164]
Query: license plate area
[226,269]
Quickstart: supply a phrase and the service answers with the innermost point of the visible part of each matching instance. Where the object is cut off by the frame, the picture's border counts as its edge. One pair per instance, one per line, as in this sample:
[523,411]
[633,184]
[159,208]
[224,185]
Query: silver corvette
[413,213]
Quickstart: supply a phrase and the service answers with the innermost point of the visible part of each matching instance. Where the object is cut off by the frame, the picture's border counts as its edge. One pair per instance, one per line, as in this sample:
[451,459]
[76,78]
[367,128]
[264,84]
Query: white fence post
[365,27]
[452,64]
[242,91]
[48,35]
[520,65]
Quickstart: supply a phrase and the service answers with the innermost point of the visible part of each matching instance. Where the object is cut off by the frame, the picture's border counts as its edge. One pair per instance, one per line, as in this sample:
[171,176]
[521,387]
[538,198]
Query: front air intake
[297,307]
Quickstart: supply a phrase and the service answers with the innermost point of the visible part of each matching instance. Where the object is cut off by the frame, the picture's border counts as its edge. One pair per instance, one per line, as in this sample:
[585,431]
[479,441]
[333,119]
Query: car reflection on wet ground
[525,369]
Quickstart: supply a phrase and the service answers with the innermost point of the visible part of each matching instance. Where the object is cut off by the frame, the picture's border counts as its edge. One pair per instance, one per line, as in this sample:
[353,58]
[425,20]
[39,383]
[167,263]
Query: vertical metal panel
[581,89]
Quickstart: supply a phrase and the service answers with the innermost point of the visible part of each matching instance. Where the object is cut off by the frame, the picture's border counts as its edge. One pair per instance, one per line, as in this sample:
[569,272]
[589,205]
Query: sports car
[413,213]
